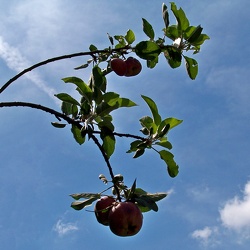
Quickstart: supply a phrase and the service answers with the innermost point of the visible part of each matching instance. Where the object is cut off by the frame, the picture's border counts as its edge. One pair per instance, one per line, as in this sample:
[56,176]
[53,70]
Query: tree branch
[58,58]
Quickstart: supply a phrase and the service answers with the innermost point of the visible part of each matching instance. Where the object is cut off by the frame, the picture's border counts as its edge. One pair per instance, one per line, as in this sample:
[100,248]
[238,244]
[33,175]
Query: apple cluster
[128,67]
[123,218]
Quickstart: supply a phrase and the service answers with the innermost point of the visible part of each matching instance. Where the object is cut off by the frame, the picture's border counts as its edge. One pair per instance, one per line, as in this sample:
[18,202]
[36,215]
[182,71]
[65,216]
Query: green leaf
[111,98]
[173,55]
[195,34]
[66,108]
[147,50]
[146,201]
[148,29]
[165,14]
[180,16]
[92,48]
[164,143]
[85,196]
[192,67]
[157,196]
[139,152]
[173,122]
[58,125]
[130,37]
[78,205]
[126,103]
[172,32]
[85,90]
[77,134]
[99,80]
[67,98]
[154,110]
[202,38]
[134,146]
[109,144]
[148,122]
[172,167]
[121,40]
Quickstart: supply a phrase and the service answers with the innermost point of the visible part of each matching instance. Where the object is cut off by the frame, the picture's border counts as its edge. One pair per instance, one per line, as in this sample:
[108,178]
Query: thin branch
[40,107]
[58,58]
[107,162]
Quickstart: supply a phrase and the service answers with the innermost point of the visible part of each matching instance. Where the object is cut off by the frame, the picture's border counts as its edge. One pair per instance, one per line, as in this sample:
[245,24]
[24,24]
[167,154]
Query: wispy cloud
[64,228]
[17,62]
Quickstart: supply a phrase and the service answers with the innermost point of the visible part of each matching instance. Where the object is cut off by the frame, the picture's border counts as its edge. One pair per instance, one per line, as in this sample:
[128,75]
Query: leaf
[77,134]
[154,110]
[165,14]
[157,196]
[111,98]
[78,205]
[139,152]
[85,196]
[173,122]
[67,98]
[195,34]
[126,103]
[192,67]
[109,144]
[131,191]
[148,29]
[66,108]
[169,160]
[180,16]
[83,66]
[85,90]
[99,79]
[164,143]
[147,50]
[130,37]
[92,48]
[147,202]
[134,146]
[58,125]
[173,55]
[172,32]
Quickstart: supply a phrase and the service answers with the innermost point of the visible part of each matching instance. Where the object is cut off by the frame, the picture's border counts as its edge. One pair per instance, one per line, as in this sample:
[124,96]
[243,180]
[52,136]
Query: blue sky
[208,206]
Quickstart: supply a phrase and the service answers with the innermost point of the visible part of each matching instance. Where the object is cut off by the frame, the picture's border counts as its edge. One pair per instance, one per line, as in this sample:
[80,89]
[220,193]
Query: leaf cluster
[145,201]
[156,130]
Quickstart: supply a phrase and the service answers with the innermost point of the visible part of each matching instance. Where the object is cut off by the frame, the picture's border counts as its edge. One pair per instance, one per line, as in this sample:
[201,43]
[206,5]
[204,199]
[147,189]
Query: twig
[90,53]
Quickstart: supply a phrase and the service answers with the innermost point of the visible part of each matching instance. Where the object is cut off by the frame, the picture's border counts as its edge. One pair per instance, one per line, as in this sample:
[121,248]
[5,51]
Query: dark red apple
[133,66]
[102,209]
[125,219]
[118,66]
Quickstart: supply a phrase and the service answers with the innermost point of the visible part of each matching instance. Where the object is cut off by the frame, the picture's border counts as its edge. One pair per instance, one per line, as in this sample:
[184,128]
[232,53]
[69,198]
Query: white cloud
[236,212]
[17,62]
[206,236]
[64,228]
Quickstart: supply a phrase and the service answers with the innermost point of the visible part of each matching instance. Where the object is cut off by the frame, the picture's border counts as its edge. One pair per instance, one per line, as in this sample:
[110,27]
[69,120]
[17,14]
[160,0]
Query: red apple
[133,67]
[102,209]
[118,66]
[125,219]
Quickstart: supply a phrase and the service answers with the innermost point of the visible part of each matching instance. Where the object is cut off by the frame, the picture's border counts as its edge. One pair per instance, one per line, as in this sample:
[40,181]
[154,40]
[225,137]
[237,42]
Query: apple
[125,219]
[102,209]
[133,67]
[118,66]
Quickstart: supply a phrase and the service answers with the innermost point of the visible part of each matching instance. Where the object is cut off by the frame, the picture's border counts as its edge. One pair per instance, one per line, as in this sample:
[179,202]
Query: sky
[208,206]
